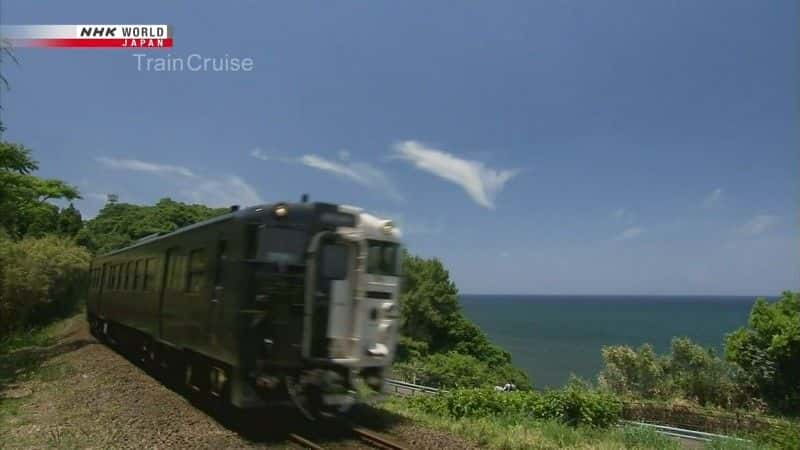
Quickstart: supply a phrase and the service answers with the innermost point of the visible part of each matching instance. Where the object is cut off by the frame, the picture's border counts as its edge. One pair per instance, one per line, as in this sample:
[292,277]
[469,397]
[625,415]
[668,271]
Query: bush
[768,351]
[703,377]
[573,405]
[40,278]
[438,345]
[457,370]
[630,372]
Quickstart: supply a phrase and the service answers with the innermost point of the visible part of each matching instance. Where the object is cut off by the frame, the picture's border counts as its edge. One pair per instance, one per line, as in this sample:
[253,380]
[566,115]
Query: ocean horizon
[554,336]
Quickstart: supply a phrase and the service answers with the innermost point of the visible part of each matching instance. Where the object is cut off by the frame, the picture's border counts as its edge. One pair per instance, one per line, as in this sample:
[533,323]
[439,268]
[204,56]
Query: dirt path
[85,395]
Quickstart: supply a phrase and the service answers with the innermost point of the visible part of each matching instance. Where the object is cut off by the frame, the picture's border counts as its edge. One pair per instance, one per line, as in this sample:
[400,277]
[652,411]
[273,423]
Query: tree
[120,224]
[768,350]
[70,221]
[24,197]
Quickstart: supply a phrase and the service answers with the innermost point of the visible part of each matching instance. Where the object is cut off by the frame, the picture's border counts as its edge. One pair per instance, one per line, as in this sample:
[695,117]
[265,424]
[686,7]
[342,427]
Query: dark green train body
[267,303]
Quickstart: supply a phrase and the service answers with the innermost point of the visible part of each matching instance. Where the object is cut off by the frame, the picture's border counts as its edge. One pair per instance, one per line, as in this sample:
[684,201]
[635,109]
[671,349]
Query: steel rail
[305,442]
[376,440]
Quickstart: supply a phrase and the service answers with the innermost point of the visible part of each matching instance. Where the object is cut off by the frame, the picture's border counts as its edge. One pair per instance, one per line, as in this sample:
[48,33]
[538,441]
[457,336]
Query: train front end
[351,311]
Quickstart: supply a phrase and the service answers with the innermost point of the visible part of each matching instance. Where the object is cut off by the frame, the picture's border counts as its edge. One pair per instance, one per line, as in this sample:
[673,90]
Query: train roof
[305,211]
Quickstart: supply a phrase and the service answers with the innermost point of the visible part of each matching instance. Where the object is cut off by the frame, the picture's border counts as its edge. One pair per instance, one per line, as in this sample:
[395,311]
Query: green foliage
[703,377]
[438,345]
[457,370]
[574,405]
[633,372]
[39,278]
[119,224]
[70,221]
[768,350]
[23,196]
[689,371]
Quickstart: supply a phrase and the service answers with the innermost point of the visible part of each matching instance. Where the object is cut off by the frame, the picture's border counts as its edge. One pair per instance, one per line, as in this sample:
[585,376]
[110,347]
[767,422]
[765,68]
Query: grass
[496,432]
[514,433]
[21,360]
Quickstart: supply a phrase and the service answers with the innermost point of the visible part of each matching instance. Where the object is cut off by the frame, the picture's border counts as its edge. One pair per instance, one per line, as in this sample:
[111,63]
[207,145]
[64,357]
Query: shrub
[630,372]
[768,350]
[39,278]
[573,405]
[457,370]
[703,377]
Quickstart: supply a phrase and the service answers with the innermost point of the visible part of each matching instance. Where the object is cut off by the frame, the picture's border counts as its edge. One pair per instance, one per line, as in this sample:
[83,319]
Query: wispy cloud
[629,233]
[265,155]
[361,173]
[481,183]
[144,166]
[712,198]
[190,186]
[758,224]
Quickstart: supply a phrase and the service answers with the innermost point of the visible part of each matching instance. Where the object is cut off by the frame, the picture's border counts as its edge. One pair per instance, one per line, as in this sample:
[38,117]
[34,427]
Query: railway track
[376,440]
[365,435]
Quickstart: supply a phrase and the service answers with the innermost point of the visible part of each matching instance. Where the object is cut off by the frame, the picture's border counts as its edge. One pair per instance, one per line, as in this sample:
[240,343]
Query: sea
[554,336]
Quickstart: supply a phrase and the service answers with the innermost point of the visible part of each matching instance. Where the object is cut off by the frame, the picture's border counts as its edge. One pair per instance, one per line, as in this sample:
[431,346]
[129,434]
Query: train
[283,302]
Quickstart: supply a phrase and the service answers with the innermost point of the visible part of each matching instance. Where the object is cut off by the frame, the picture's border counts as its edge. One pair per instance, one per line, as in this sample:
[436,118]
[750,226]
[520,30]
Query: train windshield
[282,246]
[383,258]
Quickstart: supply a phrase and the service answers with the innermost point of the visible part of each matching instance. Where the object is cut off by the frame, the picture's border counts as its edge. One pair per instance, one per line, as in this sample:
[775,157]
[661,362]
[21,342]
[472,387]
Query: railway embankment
[62,389]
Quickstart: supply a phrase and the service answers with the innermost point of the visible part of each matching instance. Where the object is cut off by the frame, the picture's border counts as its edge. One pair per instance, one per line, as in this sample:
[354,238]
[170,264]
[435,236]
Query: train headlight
[388,226]
[281,210]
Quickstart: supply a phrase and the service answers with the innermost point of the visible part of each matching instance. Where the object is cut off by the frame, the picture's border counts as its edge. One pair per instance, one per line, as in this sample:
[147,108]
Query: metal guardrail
[405,388]
[681,432]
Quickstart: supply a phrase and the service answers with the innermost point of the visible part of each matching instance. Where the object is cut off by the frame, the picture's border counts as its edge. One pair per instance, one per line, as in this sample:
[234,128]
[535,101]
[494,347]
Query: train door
[331,303]
[99,300]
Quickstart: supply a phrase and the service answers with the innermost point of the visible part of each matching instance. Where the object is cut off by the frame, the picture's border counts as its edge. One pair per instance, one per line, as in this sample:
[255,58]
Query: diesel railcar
[282,302]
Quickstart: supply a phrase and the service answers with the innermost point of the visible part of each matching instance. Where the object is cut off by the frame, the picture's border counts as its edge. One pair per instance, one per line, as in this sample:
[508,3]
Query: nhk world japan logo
[87,36]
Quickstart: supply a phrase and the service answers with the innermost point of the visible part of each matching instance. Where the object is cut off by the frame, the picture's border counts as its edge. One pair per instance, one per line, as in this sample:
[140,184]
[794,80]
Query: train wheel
[305,396]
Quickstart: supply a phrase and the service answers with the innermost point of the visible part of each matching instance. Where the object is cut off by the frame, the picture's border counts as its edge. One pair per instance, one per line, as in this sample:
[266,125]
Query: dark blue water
[551,337]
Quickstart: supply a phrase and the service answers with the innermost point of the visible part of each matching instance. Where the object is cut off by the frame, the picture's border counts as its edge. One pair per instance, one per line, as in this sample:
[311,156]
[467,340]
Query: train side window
[197,270]
[176,272]
[120,271]
[128,275]
[111,277]
[149,276]
[222,257]
[136,274]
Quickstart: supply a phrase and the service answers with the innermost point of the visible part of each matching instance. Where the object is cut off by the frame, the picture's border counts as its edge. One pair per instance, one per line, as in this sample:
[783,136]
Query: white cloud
[143,166]
[226,191]
[189,186]
[361,173]
[629,233]
[759,224]
[264,155]
[712,198]
[481,183]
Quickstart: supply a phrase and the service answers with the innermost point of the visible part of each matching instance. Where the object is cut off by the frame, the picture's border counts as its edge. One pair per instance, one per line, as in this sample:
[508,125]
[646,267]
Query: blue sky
[620,147]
